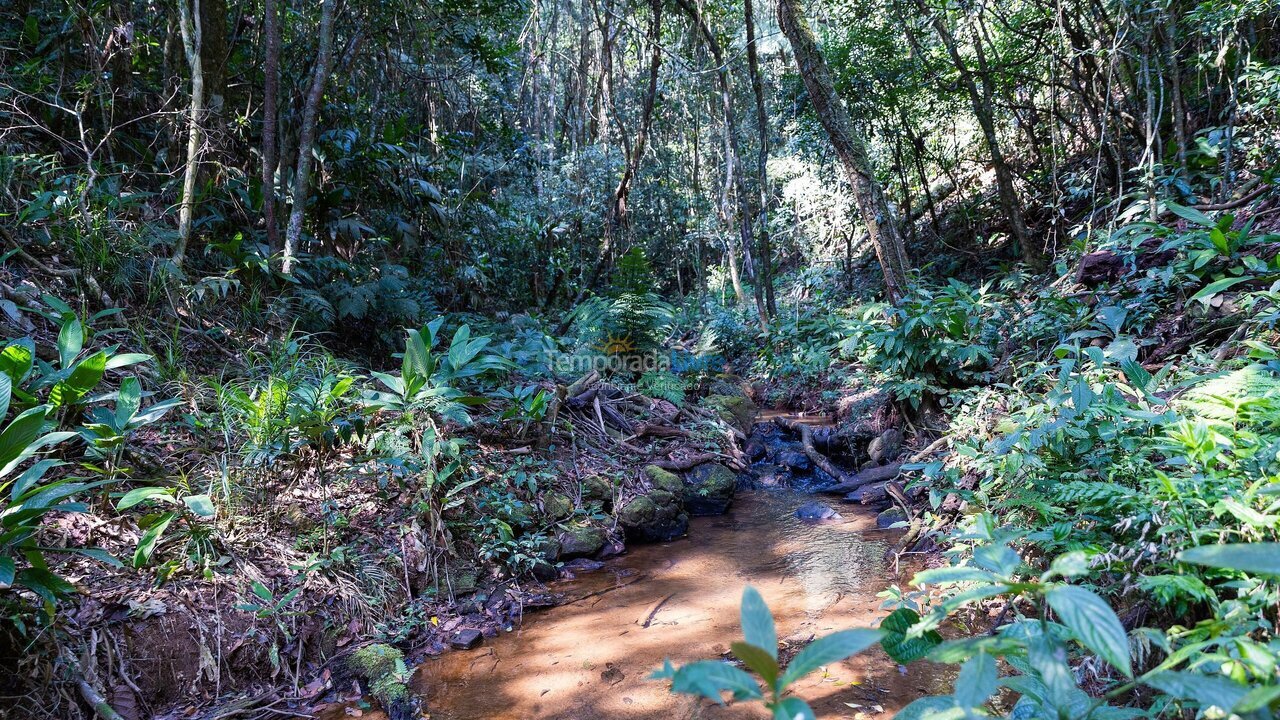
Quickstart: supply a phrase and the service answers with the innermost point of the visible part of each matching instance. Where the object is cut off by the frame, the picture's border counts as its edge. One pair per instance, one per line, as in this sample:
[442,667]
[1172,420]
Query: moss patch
[737,410]
[386,678]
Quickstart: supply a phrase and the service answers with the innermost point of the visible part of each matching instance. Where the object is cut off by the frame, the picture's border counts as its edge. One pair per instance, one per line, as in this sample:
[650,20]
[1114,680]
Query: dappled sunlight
[592,657]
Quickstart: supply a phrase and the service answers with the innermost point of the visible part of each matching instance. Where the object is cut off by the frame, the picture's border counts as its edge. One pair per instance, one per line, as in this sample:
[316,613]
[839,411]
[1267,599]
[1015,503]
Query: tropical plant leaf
[1094,624]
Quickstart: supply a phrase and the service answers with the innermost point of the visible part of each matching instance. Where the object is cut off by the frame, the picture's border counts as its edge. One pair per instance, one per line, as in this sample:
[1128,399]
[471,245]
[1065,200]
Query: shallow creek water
[590,657]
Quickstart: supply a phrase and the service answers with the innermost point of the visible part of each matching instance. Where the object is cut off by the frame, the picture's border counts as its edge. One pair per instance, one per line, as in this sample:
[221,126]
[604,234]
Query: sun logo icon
[617,345]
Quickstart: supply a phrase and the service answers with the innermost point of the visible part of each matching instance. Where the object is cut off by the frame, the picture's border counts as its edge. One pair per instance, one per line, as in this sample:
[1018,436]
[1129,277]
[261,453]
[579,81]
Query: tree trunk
[983,110]
[270,114]
[213,52]
[306,136]
[189,26]
[764,276]
[876,215]
[733,171]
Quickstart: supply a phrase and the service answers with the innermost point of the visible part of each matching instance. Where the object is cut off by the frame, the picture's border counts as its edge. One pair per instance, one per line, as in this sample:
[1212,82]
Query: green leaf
[6,394]
[201,505]
[1259,558]
[128,401]
[1190,214]
[710,678]
[826,650]
[758,660]
[48,586]
[147,545]
[86,375]
[930,708]
[1204,690]
[115,362]
[793,708]
[953,574]
[140,495]
[18,437]
[757,622]
[262,591]
[1217,286]
[70,340]
[1094,624]
[6,572]
[977,681]
[17,359]
[895,642]
[1068,565]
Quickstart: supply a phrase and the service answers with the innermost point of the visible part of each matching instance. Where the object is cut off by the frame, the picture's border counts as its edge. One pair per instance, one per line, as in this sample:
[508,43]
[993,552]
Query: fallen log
[690,461]
[870,493]
[866,477]
[806,439]
[659,430]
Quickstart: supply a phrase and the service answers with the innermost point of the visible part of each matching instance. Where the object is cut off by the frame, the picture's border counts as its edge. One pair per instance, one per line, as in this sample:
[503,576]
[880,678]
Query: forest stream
[591,657]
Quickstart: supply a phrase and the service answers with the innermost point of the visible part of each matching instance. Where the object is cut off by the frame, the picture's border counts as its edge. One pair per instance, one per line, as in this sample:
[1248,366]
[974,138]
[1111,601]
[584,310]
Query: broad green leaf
[140,495]
[1260,558]
[84,377]
[793,708]
[1204,690]
[758,660]
[33,475]
[70,340]
[1191,214]
[1000,558]
[826,650]
[17,359]
[895,642]
[18,437]
[1094,624]
[98,554]
[977,681]
[1217,286]
[953,574]
[40,581]
[147,545]
[757,623]
[262,591]
[128,401]
[710,678]
[201,505]
[930,708]
[6,394]
[6,572]
[1068,565]
[115,362]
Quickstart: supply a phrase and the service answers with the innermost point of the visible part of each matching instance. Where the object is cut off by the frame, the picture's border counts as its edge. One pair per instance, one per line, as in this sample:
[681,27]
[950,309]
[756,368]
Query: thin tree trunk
[733,171]
[306,136]
[876,214]
[270,114]
[189,26]
[983,110]
[764,276]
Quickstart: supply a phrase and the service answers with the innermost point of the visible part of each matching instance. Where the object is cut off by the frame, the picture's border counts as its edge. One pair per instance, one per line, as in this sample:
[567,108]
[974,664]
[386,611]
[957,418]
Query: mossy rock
[664,479]
[520,515]
[463,581]
[654,517]
[597,488]
[385,677]
[709,488]
[737,410]
[581,541]
[730,385]
[557,506]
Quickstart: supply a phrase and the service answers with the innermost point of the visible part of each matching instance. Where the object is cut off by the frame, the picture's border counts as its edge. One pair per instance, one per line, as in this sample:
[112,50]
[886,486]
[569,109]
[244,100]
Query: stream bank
[591,655]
